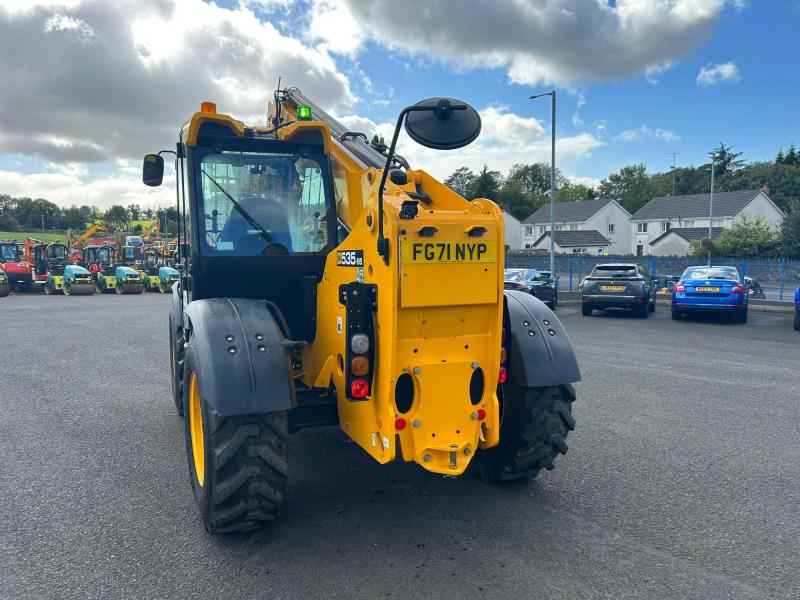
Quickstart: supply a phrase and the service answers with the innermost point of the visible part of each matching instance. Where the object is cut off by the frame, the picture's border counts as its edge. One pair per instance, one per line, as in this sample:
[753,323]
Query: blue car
[710,289]
[797,309]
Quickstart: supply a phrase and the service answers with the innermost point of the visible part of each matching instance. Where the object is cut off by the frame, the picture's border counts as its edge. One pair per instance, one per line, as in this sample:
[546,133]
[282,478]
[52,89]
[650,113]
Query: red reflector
[359,388]
[679,288]
[481,414]
[399,424]
[503,375]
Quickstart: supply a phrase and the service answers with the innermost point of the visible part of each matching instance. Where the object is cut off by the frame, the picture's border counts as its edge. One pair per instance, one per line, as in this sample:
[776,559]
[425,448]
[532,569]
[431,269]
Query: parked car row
[700,289]
[537,283]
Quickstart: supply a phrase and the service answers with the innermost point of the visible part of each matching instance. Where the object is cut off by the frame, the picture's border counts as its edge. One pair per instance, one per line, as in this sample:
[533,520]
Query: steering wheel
[275,249]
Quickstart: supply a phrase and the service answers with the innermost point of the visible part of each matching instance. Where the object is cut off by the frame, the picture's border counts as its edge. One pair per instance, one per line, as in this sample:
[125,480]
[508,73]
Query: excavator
[17,270]
[76,241]
[324,280]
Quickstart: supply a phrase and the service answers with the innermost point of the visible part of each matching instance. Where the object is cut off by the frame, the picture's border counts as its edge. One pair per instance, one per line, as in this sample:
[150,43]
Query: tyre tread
[535,433]
[248,470]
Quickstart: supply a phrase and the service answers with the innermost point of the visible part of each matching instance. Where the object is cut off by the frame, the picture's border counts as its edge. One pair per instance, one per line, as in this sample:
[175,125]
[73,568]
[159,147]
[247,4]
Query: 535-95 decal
[350,258]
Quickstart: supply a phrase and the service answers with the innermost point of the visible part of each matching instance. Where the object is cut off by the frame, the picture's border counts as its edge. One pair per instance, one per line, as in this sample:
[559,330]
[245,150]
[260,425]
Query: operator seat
[268,213]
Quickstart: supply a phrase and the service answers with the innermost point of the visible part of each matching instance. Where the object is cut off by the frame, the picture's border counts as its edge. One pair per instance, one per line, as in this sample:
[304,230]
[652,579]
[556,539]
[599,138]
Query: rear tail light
[359,388]
[679,288]
[359,366]
[738,289]
[503,377]
[359,343]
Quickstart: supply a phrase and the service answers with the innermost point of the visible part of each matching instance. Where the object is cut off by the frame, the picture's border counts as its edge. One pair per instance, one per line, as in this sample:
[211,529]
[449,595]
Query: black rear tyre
[586,310]
[797,320]
[245,462]
[535,425]
[676,316]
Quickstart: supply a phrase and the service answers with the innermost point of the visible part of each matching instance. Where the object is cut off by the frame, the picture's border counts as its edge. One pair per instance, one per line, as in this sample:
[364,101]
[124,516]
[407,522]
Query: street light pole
[711,209]
[552,94]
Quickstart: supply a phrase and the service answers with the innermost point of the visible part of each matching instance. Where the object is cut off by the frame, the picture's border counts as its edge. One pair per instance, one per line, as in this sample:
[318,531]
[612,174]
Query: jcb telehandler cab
[325,281]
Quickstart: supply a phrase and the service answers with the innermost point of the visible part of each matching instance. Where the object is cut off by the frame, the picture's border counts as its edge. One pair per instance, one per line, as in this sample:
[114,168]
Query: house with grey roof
[606,217]
[664,213]
[513,231]
[678,240]
[580,241]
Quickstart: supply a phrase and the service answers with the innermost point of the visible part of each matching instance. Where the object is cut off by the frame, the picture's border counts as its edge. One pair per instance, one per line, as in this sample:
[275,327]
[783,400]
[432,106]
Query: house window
[579,250]
[559,228]
[541,230]
[611,228]
[573,228]
[664,226]
[639,249]
[641,228]
[529,230]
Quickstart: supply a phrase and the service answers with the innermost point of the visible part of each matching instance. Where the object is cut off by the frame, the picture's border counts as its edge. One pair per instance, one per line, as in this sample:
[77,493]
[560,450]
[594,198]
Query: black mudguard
[245,368]
[541,353]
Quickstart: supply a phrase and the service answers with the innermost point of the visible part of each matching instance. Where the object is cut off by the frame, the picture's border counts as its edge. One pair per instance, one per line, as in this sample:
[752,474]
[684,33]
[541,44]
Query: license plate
[706,288]
[449,252]
[612,288]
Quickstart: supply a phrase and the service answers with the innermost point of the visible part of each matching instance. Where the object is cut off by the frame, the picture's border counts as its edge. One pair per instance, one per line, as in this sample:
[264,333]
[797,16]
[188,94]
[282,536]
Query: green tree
[8,222]
[726,160]
[461,181]
[790,233]
[73,218]
[748,238]
[573,192]
[631,184]
[792,156]
[117,217]
[134,211]
[486,185]
[517,201]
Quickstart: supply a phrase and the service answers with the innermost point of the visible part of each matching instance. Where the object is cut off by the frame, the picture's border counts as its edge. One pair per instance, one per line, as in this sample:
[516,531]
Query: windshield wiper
[264,233]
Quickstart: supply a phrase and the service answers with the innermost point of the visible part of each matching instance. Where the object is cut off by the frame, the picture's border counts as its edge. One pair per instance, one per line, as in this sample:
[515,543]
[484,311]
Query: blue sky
[98,83]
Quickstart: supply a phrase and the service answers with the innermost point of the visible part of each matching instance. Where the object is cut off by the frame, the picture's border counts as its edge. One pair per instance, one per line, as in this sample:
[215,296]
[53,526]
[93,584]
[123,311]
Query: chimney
[765,189]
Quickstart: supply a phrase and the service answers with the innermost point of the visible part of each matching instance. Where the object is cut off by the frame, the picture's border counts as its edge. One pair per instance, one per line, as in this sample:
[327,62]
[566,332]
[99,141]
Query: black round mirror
[446,127]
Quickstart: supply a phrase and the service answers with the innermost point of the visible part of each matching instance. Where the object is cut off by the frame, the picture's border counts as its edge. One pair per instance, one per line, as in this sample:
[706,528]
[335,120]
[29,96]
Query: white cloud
[644,133]
[80,30]
[589,182]
[713,74]
[107,79]
[559,41]
[67,187]
[576,116]
[334,25]
[506,139]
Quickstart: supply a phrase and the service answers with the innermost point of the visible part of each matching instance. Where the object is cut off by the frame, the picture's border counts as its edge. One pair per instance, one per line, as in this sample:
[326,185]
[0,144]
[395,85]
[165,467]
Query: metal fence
[777,276]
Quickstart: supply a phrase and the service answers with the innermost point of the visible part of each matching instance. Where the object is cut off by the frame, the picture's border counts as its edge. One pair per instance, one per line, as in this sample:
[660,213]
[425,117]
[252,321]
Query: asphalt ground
[682,478]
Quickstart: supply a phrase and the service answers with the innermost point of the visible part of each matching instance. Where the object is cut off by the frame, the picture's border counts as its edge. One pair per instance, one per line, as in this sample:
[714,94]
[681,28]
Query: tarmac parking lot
[681,480]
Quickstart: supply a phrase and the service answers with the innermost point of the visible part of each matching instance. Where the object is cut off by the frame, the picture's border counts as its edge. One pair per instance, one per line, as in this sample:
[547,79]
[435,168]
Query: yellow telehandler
[325,281]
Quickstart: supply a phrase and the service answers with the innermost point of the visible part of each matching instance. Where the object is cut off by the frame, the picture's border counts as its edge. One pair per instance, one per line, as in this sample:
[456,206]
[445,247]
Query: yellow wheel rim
[196,430]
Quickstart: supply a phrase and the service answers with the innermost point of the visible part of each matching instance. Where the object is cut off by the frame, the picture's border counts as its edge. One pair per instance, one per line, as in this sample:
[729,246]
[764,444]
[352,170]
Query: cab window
[255,204]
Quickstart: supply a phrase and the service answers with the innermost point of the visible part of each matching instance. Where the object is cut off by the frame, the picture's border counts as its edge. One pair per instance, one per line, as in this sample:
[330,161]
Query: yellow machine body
[438,314]
[438,317]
